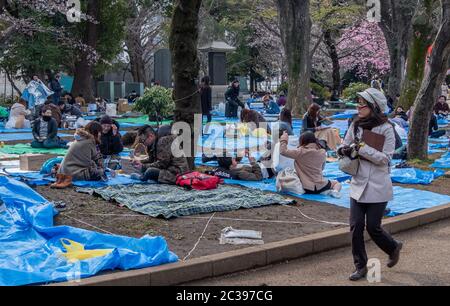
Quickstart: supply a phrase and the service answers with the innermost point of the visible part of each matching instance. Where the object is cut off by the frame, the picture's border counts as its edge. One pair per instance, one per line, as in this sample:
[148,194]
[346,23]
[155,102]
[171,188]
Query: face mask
[46,118]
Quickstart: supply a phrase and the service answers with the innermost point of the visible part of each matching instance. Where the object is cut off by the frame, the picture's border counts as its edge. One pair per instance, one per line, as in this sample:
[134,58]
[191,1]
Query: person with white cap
[371,188]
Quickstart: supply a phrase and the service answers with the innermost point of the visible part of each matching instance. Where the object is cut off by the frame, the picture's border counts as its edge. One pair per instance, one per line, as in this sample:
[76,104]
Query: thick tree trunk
[332,52]
[83,79]
[295,27]
[185,65]
[423,37]
[136,53]
[431,84]
[396,16]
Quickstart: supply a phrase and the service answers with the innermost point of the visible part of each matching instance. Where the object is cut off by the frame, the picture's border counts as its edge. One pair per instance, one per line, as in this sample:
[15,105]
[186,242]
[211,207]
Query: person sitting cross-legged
[45,132]
[161,165]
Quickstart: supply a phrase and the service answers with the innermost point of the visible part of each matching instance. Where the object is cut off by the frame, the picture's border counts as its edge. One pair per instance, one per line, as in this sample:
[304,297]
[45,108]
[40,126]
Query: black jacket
[52,128]
[434,126]
[110,144]
[233,102]
[72,110]
[206,98]
[309,125]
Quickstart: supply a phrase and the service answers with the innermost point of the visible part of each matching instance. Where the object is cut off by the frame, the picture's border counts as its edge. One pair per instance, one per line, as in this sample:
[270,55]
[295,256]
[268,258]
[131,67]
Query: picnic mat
[37,179]
[406,200]
[23,136]
[22,148]
[173,201]
[31,251]
[443,162]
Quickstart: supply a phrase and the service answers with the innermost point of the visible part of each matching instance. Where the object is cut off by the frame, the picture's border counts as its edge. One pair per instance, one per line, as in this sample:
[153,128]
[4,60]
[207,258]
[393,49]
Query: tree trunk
[295,27]
[431,84]
[136,53]
[332,52]
[422,39]
[185,65]
[83,79]
[396,16]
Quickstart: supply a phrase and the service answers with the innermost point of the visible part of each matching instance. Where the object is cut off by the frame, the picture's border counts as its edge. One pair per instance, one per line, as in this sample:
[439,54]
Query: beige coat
[373,184]
[17,117]
[309,164]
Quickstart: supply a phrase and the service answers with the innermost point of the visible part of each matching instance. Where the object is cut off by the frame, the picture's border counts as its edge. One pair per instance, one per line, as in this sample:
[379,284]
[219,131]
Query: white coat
[372,183]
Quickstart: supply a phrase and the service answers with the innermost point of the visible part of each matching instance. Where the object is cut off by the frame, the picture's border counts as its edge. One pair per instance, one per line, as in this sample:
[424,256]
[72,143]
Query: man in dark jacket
[233,102]
[161,165]
[56,87]
[45,132]
[69,110]
[110,142]
[434,131]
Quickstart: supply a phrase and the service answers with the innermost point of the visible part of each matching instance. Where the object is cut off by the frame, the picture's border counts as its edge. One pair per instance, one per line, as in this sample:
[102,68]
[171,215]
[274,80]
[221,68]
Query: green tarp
[27,149]
[141,120]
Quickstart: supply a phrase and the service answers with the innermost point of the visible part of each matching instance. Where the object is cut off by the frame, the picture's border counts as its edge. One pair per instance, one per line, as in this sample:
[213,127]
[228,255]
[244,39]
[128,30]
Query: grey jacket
[373,183]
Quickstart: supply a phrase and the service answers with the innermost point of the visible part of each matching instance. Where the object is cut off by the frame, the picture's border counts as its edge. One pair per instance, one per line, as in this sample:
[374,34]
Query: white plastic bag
[238,237]
[288,181]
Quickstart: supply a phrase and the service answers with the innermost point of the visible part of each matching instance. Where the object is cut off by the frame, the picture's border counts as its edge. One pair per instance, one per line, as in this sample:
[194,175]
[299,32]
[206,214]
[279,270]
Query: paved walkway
[425,261]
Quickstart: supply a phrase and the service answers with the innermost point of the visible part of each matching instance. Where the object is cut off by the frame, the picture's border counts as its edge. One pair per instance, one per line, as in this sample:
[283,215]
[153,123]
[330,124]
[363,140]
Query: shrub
[157,103]
[321,92]
[350,92]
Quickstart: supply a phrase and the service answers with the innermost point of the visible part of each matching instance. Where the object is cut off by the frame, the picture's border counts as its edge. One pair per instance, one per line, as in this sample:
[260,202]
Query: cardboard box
[123,106]
[34,162]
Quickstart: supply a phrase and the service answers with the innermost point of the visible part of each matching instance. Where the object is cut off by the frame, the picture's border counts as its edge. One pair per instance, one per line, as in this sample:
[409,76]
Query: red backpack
[198,181]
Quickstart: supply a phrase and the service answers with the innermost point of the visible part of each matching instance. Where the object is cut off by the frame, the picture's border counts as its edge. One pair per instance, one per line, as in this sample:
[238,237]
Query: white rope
[321,221]
[205,218]
[85,223]
[200,238]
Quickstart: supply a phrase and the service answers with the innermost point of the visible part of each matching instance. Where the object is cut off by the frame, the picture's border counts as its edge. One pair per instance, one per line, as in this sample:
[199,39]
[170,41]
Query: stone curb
[253,257]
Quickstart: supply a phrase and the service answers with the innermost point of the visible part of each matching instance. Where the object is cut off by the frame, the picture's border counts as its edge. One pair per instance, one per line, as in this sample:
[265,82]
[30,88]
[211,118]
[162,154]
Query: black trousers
[362,214]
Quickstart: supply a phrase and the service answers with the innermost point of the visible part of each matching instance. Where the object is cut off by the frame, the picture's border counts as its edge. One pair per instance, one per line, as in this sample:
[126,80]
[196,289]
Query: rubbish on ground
[230,235]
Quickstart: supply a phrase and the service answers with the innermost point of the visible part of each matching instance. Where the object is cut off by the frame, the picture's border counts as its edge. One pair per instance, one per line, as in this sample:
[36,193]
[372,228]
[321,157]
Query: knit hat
[375,97]
[106,120]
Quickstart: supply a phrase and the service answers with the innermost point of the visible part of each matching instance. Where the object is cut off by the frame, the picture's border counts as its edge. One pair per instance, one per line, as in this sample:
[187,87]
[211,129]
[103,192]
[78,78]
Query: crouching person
[83,161]
[161,165]
[110,143]
[45,132]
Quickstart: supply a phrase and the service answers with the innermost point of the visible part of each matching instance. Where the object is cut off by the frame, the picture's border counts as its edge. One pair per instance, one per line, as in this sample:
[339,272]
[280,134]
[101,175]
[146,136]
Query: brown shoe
[63,181]
[59,180]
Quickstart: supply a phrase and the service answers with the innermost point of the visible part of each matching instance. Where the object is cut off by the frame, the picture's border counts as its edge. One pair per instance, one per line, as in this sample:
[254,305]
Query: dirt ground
[93,213]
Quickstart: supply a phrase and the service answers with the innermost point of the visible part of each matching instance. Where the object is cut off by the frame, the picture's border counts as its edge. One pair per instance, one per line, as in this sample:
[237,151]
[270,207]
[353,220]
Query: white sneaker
[335,194]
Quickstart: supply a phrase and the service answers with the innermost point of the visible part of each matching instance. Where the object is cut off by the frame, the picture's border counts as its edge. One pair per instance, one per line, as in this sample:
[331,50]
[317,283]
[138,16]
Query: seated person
[434,131]
[161,165]
[101,104]
[69,110]
[69,98]
[45,132]
[441,108]
[285,122]
[110,142]
[232,169]
[255,119]
[282,100]
[83,161]
[400,113]
[132,97]
[48,105]
[80,101]
[310,160]
[312,122]
[17,116]
[270,105]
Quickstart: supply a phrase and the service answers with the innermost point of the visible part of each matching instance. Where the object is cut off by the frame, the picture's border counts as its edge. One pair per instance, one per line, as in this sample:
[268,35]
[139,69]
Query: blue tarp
[23,136]
[346,115]
[37,179]
[405,200]
[443,162]
[30,247]
[415,176]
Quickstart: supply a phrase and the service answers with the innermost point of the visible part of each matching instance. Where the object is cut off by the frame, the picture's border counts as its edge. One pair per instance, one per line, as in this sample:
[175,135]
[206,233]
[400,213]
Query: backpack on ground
[198,181]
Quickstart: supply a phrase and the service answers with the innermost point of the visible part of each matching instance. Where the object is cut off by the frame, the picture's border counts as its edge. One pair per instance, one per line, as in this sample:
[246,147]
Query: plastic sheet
[23,136]
[406,200]
[443,162]
[31,249]
[415,176]
[27,149]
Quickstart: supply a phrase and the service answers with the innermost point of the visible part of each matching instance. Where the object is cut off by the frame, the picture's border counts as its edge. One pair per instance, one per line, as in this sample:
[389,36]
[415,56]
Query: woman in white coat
[371,187]
[17,116]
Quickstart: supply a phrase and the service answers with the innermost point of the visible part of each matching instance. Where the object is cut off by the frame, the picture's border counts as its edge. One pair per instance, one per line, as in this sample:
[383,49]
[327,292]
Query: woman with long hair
[312,122]
[371,188]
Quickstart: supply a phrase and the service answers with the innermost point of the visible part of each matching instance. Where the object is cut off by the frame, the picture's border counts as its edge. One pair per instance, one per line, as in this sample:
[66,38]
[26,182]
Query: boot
[59,180]
[63,181]
[395,257]
[358,275]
